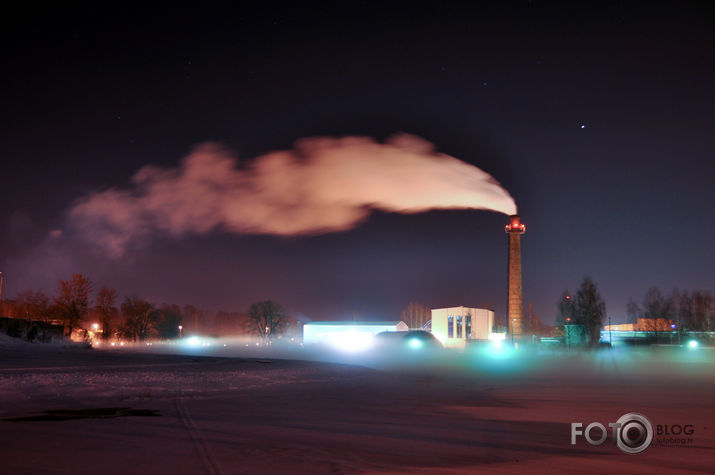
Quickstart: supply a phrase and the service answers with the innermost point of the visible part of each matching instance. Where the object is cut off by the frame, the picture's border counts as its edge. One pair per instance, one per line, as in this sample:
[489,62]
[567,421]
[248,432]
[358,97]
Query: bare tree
[702,310]
[193,318]
[168,322]
[106,298]
[72,300]
[532,322]
[230,323]
[633,311]
[682,308]
[267,318]
[141,318]
[656,309]
[416,315]
[32,305]
[693,311]
[656,305]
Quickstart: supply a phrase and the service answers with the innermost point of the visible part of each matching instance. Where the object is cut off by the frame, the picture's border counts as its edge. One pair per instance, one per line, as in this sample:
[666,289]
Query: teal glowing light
[498,349]
[692,344]
[415,343]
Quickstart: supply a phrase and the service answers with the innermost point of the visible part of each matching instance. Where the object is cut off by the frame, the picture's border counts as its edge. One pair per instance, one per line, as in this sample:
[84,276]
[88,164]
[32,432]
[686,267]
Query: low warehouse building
[348,334]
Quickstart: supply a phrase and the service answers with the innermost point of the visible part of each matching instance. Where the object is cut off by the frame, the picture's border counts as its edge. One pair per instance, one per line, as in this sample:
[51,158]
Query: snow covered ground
[231,411]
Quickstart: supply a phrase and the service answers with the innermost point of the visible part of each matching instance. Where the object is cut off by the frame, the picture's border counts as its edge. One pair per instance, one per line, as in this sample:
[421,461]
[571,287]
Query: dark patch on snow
[95,413]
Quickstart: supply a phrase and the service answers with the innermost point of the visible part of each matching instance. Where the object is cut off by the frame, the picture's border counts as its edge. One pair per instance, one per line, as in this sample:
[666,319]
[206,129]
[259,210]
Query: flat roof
[395,322]
[462,306]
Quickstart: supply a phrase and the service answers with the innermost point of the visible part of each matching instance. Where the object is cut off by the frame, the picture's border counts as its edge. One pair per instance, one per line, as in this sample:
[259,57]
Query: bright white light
[351,341]
[497,336]
[121,343]
[112,343]
[692,344]
[497,344]
[415,343]
[193,341]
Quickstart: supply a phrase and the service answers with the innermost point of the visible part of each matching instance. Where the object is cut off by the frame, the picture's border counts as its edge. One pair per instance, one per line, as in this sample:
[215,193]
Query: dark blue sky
[89,98]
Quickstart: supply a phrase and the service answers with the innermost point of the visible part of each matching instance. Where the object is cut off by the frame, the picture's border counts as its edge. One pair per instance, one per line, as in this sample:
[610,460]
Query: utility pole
[679,329]
[610,332]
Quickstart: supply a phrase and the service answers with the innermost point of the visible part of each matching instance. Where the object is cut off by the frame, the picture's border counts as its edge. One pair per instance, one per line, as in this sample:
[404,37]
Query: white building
[453,326]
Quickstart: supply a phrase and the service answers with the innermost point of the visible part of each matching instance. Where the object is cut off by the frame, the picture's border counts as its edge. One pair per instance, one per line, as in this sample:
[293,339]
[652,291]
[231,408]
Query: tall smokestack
[514,303]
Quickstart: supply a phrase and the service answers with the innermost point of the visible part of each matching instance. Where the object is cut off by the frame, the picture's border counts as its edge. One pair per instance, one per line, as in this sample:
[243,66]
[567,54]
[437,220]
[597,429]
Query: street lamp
[180,328]
[610,332]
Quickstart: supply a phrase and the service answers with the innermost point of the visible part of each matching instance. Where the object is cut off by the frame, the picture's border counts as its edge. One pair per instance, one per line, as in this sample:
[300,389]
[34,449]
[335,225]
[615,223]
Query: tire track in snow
[207,458]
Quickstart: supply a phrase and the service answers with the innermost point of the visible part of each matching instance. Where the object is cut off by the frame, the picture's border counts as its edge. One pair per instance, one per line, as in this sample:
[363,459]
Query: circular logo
[634,433]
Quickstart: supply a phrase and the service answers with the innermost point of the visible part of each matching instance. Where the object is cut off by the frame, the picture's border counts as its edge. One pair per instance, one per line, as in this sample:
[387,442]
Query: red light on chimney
[515,225]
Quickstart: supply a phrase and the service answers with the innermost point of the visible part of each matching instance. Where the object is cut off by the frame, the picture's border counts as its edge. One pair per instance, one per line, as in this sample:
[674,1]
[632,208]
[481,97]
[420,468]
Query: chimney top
[515,225]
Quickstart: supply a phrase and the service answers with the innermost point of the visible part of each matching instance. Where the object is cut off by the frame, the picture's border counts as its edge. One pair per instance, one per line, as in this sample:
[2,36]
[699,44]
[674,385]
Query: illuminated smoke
[322,185]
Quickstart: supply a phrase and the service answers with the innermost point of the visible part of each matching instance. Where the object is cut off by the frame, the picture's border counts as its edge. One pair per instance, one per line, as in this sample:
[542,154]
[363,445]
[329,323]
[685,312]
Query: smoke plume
[322,185]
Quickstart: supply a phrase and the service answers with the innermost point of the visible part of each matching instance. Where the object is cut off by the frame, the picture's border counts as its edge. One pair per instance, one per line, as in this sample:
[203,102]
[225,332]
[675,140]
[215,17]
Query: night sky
[597,118]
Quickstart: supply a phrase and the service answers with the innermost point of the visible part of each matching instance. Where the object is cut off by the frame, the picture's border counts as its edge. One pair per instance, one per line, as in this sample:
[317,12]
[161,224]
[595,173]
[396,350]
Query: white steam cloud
[322,185]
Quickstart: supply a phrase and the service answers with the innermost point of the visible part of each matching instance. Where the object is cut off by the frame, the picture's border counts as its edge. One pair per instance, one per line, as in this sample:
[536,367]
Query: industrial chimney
[514,303]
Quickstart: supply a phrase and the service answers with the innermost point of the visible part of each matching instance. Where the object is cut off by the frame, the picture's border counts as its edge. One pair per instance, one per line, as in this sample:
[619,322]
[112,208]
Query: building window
[459,326]
[468,329]
[450,327]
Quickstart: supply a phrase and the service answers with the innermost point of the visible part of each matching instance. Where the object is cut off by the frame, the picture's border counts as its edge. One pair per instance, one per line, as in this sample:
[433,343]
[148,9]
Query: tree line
[690,310]
[137,319]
